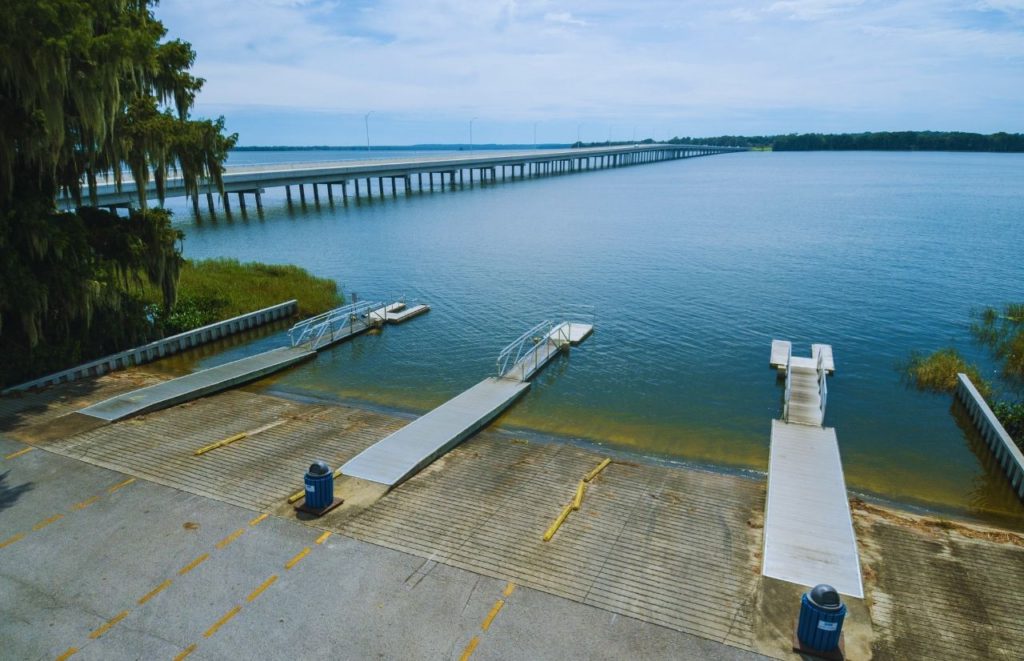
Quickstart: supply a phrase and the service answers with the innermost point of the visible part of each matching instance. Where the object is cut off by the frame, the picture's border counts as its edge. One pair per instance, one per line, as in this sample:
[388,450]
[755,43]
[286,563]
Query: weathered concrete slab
[198,384]
[808,532]
[401,454]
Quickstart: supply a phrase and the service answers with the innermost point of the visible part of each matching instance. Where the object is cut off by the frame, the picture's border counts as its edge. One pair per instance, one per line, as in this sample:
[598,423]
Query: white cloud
[604,62]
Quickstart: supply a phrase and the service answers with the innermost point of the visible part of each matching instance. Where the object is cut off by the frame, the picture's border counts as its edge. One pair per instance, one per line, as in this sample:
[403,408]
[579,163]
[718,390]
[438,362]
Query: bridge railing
[822,385]
[789,385]
[324,328]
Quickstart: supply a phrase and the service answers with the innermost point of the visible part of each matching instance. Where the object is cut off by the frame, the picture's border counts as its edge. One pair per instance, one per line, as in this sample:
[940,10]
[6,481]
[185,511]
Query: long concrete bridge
[448,169]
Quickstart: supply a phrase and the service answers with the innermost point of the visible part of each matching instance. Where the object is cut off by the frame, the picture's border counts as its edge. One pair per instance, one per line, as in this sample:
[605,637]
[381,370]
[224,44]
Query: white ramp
[402,454]
[808,530]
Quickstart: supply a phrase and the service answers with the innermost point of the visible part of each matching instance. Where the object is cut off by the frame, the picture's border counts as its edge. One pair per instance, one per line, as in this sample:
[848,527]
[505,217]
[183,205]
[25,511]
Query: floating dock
[197,384]
[398,312]
[401,455]
[307,338]
[808,530]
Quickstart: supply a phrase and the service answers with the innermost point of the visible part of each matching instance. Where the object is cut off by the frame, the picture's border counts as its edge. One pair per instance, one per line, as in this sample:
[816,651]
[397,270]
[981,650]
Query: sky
[307,72]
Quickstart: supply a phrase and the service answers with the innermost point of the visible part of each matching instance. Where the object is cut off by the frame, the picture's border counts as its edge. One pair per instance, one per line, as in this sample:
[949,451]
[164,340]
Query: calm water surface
[689,269]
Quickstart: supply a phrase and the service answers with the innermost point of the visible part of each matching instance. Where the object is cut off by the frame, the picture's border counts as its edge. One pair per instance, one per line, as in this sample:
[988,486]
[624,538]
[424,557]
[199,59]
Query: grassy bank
[212,290]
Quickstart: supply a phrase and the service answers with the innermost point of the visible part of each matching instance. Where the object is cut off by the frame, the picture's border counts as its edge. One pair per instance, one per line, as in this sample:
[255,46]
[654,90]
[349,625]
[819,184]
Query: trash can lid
[825,596]
[318,468]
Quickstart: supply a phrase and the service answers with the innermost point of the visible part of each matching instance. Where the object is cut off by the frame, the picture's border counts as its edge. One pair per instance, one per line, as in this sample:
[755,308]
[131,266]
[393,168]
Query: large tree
[88,89]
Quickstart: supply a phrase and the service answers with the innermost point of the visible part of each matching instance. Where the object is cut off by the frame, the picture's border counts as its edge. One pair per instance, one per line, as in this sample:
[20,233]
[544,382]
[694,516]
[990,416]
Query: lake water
[689,269]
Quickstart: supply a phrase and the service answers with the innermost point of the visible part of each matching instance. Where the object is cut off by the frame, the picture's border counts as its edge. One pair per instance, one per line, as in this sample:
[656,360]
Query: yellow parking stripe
[85,503]
[192,565]
[45,522]
[68,653]
[154,592]
[323,538]
[230,538]
[468,652]
[222,621]
[298,556]
[185,652]
[11,540]
[263,586]
[120,485]
[19,453]
[110,623]
[495,609]
[257,520]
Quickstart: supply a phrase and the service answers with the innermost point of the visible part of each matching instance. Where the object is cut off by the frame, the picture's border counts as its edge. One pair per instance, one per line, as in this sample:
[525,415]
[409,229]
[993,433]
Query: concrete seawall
[165,347]
[996,437]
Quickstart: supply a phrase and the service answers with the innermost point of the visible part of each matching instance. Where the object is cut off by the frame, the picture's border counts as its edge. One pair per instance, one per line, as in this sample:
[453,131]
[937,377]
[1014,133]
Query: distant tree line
[881,141]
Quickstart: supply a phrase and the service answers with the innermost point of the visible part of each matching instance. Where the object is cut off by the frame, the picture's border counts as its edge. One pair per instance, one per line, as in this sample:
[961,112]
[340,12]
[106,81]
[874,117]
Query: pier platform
[398,312]
[405,452]
[412,447]
[808,531]
[198,384]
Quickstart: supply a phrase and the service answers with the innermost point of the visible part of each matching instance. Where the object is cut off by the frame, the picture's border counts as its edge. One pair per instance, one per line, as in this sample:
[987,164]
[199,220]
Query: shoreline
[920,508]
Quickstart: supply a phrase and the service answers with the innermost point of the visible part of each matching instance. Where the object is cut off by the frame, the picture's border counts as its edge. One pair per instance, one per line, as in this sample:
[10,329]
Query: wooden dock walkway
[808,531]
[405,452]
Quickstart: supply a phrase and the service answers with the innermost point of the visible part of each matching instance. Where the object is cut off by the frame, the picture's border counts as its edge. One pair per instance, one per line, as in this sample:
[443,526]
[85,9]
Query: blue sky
[303,72]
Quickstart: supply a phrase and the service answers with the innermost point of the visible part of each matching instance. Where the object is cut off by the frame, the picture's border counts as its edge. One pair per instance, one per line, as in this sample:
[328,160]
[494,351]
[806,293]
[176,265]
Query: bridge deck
[198,384]
[805,399]
[403,453]
[808,531]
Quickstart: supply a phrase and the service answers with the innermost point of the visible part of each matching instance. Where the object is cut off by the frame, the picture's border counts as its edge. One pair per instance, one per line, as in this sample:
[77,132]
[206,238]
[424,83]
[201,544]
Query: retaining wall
[165,347]
[1006,452]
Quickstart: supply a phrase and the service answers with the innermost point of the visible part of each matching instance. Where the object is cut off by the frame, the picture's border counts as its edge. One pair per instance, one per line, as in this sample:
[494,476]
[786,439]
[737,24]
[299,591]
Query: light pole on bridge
[366,122]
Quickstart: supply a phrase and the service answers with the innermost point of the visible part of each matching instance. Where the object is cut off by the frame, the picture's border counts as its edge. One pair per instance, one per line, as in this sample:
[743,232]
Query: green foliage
[880,141]
[1011,415]
[217,289]
[88,88]
[1003,333]
[937,371]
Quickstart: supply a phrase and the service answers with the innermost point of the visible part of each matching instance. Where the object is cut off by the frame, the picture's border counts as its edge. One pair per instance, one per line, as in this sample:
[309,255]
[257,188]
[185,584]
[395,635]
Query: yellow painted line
[19,453]
[192,565]
[509,589]
[323,538]
[257,520]
[557,523]
[468,652]
[295,496]
[85,503]
[185,652]
[68,653]
[495,609]
[263,586]
[120,485]
[230,538]
[578,500]
[222,621]
[155,591]
[110,623]
[11,540]
[298,556]
[45,522]
[600,467]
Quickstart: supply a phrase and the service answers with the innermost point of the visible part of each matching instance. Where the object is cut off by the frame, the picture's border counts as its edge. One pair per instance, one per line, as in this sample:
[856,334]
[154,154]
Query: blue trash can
[319,485]
[821,619]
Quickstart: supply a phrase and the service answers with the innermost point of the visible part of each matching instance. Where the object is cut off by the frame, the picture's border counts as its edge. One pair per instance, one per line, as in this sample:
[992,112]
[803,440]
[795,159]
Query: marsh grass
[212,290]
[937,372]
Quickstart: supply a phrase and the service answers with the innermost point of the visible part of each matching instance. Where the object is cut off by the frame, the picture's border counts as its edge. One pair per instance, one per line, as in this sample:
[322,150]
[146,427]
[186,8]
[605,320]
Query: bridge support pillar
[316,194]
[195,203]
[330,193]
[241,200]
[227,203]
[302,194]
[259,200]
[344,191]
[288,194]
[394,188]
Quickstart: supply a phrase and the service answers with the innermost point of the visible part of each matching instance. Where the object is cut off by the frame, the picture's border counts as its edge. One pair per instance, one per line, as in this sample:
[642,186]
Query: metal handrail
[789,385]
[822,385]
[517,350]
[312,331]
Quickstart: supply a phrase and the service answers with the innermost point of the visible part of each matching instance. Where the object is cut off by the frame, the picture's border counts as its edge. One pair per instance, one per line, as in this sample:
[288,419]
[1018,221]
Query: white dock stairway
[808,530]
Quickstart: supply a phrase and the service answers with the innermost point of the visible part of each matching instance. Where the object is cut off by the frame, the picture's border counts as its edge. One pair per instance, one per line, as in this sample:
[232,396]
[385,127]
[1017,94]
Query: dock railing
[789,385]
[324,328]
[822,386]
[511,355]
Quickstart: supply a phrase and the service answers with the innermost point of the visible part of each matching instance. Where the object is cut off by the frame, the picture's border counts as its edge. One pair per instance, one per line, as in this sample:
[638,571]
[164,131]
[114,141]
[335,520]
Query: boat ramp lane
[808,531]
[307,338]
[401,455]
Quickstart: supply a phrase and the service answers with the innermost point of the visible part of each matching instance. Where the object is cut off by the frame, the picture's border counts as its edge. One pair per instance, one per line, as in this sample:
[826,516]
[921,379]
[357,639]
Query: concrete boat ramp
[402,454]
[808,530]
[307,338]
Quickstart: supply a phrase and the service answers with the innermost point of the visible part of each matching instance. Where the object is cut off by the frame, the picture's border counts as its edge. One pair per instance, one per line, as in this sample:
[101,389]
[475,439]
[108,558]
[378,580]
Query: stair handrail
[822,385]
[789,384]
[510,356]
